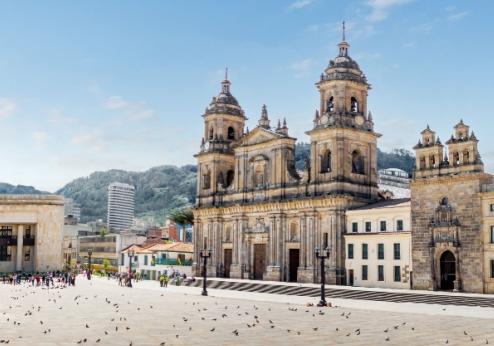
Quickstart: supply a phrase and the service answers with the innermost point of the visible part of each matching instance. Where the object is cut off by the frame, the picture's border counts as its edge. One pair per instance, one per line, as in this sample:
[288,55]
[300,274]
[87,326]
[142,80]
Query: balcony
[28,241]
[171,262]
[10,240]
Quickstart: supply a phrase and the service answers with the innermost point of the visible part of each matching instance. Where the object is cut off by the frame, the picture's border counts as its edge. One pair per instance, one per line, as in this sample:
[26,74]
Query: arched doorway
[448,270]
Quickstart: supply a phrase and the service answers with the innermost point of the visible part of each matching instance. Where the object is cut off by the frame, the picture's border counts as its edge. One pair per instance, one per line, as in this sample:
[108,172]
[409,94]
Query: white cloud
[408,44]
[132,110]
[301,67]
[457,16]
[423,28]
[89,139]
[7,107]
[297,5]
[116,102]
[380,8]
[58,117]
[40,138]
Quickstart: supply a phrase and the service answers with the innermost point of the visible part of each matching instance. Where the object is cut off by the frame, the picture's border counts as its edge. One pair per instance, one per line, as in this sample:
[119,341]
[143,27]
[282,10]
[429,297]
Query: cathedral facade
[452,232]
[259,216]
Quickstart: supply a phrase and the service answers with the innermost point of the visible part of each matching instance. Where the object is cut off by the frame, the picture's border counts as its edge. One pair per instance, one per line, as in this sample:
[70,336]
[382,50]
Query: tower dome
[225,102]
[343,67]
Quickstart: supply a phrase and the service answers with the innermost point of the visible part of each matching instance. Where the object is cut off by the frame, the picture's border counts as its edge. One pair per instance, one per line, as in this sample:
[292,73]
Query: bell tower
[224,122]
[343,141]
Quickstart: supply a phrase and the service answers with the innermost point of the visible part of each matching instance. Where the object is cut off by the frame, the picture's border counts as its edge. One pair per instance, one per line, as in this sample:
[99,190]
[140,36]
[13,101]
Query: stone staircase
[395,297]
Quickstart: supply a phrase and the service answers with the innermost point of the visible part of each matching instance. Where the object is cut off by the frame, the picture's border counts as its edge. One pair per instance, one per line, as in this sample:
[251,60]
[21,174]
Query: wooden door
[350,277]
[227,261]
[294,258]
[259,261]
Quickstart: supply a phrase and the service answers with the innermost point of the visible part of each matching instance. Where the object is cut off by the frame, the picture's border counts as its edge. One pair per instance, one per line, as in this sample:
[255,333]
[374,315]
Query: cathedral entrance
[448,270]
[294,258]
[227,261]
[259,261]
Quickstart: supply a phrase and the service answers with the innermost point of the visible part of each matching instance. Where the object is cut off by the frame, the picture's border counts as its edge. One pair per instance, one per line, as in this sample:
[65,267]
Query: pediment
[259,135]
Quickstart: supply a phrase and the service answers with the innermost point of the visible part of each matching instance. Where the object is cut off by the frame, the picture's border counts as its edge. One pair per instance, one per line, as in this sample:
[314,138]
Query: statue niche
[259,173]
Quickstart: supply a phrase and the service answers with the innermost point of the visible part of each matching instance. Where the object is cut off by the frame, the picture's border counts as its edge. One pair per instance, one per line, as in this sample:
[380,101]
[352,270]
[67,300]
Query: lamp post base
[204,293]
[322,303]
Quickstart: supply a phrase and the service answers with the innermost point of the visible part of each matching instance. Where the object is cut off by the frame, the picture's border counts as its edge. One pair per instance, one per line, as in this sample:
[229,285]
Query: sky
[95,85]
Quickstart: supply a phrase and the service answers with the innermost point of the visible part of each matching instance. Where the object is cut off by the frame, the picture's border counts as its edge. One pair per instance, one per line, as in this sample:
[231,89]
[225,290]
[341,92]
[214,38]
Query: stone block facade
[31,233]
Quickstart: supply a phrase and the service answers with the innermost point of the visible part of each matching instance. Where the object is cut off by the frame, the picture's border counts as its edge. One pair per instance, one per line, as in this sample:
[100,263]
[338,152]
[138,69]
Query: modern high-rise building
[120,206]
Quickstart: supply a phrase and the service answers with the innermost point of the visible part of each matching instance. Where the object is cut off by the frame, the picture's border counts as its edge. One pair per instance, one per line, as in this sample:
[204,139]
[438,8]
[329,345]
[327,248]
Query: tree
[103,231]
[106,264]
[182,216]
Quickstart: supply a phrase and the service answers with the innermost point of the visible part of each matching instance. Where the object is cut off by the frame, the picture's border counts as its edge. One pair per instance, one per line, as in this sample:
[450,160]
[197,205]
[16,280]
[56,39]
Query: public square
[101,312]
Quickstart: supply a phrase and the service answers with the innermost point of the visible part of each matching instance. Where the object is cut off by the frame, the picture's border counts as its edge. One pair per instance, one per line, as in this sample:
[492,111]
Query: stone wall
[46,214]
[463,196]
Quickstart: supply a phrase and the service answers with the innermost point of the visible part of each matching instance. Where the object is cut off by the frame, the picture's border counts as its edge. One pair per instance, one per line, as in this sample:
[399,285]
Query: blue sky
[95,85]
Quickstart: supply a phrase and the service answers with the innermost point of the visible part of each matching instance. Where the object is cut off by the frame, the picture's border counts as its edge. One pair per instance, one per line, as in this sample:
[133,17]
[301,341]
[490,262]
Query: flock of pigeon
[104,313]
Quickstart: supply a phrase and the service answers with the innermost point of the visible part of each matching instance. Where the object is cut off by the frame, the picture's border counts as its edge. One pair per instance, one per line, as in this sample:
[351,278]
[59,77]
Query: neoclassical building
[260,217]
[31,228]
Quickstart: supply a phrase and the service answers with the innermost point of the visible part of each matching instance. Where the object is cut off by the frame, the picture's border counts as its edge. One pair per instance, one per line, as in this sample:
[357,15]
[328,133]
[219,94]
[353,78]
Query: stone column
[20,243]
[236,267]
[273,272]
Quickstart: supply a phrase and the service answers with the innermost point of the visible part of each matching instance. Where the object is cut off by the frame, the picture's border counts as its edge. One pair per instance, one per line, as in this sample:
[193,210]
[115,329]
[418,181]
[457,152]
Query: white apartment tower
[120,206]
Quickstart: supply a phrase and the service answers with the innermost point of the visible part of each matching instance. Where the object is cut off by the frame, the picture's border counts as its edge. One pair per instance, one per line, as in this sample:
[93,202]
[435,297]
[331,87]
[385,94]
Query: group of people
[125,279]
[46,279]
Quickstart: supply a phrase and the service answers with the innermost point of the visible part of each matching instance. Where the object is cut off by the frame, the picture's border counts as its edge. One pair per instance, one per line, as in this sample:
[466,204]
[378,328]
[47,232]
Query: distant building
[156,259]
[72,209]
[378,245]
[71,232]
[108,247]
[174,232]
[395,181]
[120,206]
[31,229]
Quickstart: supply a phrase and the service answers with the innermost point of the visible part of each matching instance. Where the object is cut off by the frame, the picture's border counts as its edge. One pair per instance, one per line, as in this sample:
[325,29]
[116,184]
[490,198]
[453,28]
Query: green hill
[19,190]
[158,190]
[161,189]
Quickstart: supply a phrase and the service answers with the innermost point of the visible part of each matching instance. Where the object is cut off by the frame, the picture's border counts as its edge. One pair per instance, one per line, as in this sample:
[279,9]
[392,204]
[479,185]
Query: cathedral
[260,217]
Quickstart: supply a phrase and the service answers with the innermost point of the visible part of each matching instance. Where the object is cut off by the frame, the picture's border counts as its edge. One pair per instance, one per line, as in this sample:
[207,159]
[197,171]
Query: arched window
[456,159]
[230,175]
[330,105]
[206,180]
[211,133]
[466,157]
[221,179]
[353,105]
[357,163]
[231,133]
[326,162]
[422,162]
[432,161]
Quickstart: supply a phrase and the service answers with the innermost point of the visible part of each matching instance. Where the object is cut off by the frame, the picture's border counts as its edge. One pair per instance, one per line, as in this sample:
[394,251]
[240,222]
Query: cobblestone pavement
[102,313]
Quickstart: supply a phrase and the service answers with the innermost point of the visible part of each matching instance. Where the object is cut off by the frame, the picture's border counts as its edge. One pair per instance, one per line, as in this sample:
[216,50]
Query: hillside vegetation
[161,189]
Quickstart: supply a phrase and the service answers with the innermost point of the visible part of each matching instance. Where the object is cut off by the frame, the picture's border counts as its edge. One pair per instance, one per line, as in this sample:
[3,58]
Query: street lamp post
[131,256]
[322,256]
[89,254]
[205,254]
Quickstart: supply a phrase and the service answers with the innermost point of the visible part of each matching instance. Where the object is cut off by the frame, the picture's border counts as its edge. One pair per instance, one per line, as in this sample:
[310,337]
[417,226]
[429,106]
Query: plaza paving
[102,313]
